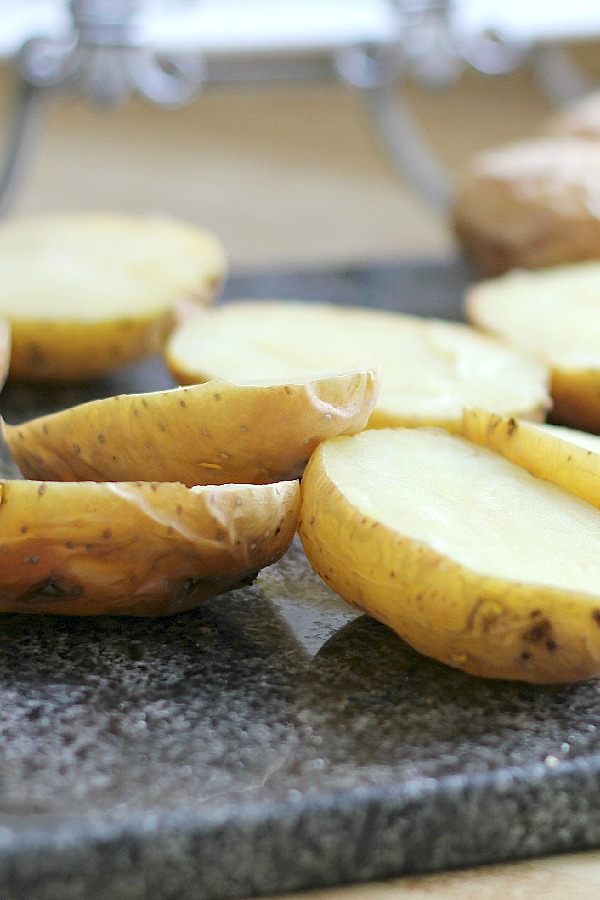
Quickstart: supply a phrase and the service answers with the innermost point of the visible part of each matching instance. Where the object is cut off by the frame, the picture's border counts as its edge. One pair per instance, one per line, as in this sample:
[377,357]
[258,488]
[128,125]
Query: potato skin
[482,625]
[211,433]
[5,350]
[529,205]
[67,351]
[576,399]
[137,549]
[543,454]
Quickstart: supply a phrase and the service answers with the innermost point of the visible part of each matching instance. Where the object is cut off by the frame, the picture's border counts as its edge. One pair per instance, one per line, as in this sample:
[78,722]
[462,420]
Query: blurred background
[313,134]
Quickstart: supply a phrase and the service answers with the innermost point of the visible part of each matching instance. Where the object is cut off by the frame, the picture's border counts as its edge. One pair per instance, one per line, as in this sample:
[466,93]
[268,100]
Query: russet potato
[210,433]
[564,456]
[431,369]
[140,549]
[529,204]
[468,557]
[87,293]
[555,314]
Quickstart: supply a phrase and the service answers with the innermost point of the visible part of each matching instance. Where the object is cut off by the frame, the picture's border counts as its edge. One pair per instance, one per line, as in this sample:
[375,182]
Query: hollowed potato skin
[212,433]
[137,548]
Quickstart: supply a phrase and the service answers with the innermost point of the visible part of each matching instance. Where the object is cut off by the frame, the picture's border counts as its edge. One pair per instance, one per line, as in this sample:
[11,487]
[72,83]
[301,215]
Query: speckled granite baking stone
[271,740]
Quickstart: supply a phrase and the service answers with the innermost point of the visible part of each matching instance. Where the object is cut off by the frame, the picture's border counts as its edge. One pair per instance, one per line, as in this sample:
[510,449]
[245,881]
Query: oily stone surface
[272,739]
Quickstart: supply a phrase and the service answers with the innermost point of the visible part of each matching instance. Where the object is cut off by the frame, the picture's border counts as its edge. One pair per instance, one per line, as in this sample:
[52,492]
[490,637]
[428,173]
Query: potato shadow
[114,713]
[373,699]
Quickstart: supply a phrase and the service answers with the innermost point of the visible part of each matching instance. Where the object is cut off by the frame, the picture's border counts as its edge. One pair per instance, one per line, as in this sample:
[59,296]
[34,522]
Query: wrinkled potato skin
[212,433]
[75,351]
[138,549]
[481,625]
[571,467]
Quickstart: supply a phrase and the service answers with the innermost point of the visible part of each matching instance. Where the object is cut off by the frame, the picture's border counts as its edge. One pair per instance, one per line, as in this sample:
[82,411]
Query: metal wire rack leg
[19,141]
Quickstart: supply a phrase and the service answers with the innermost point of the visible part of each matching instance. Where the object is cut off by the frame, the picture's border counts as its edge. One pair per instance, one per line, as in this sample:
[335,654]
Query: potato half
[86,293]
[554,313]
[431,369]
[565,456]
[210,433]
[468,557]
[141,548]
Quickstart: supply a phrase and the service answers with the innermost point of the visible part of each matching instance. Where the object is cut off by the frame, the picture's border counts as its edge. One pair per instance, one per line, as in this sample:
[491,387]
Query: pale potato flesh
[565,456]
[431,369]
[555,314]
[467,556]
[210,433]
[142,549]
[88,292]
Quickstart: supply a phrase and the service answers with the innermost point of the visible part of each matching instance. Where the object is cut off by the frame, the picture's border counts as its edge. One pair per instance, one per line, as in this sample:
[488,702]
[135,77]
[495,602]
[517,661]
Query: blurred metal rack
[168,52]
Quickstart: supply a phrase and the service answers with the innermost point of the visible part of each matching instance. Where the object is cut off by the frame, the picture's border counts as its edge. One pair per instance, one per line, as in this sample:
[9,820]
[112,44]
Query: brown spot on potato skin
[42,489]
[541,633]
[511,426]
[596,616]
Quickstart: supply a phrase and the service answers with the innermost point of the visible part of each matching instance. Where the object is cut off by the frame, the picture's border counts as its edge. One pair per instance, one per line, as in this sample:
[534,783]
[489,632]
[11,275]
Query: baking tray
[273,739]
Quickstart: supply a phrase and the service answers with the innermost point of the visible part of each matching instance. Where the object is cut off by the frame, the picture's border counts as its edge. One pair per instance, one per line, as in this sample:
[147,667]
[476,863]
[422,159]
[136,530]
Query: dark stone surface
[271,740]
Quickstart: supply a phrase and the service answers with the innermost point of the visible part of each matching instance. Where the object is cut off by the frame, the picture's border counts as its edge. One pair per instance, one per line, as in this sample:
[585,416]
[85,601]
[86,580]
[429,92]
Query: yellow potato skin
[211,433]
[571,467]
[63,350]
[5,350]
[482,625]
[137,549]
[576,398]
[89,292]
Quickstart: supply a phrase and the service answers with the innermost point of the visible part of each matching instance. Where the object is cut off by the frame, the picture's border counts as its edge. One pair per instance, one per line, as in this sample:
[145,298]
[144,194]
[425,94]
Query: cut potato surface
[554,313]
[136,548]
[210,433]
[431,369]
[564,456]
[468,557]
[86,293]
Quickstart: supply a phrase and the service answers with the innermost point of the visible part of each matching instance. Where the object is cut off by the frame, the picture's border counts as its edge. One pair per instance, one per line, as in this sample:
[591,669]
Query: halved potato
[86,293]
[210,433]
[140,549]
[468,557]
[565,456]
[431,369]
[555,314]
